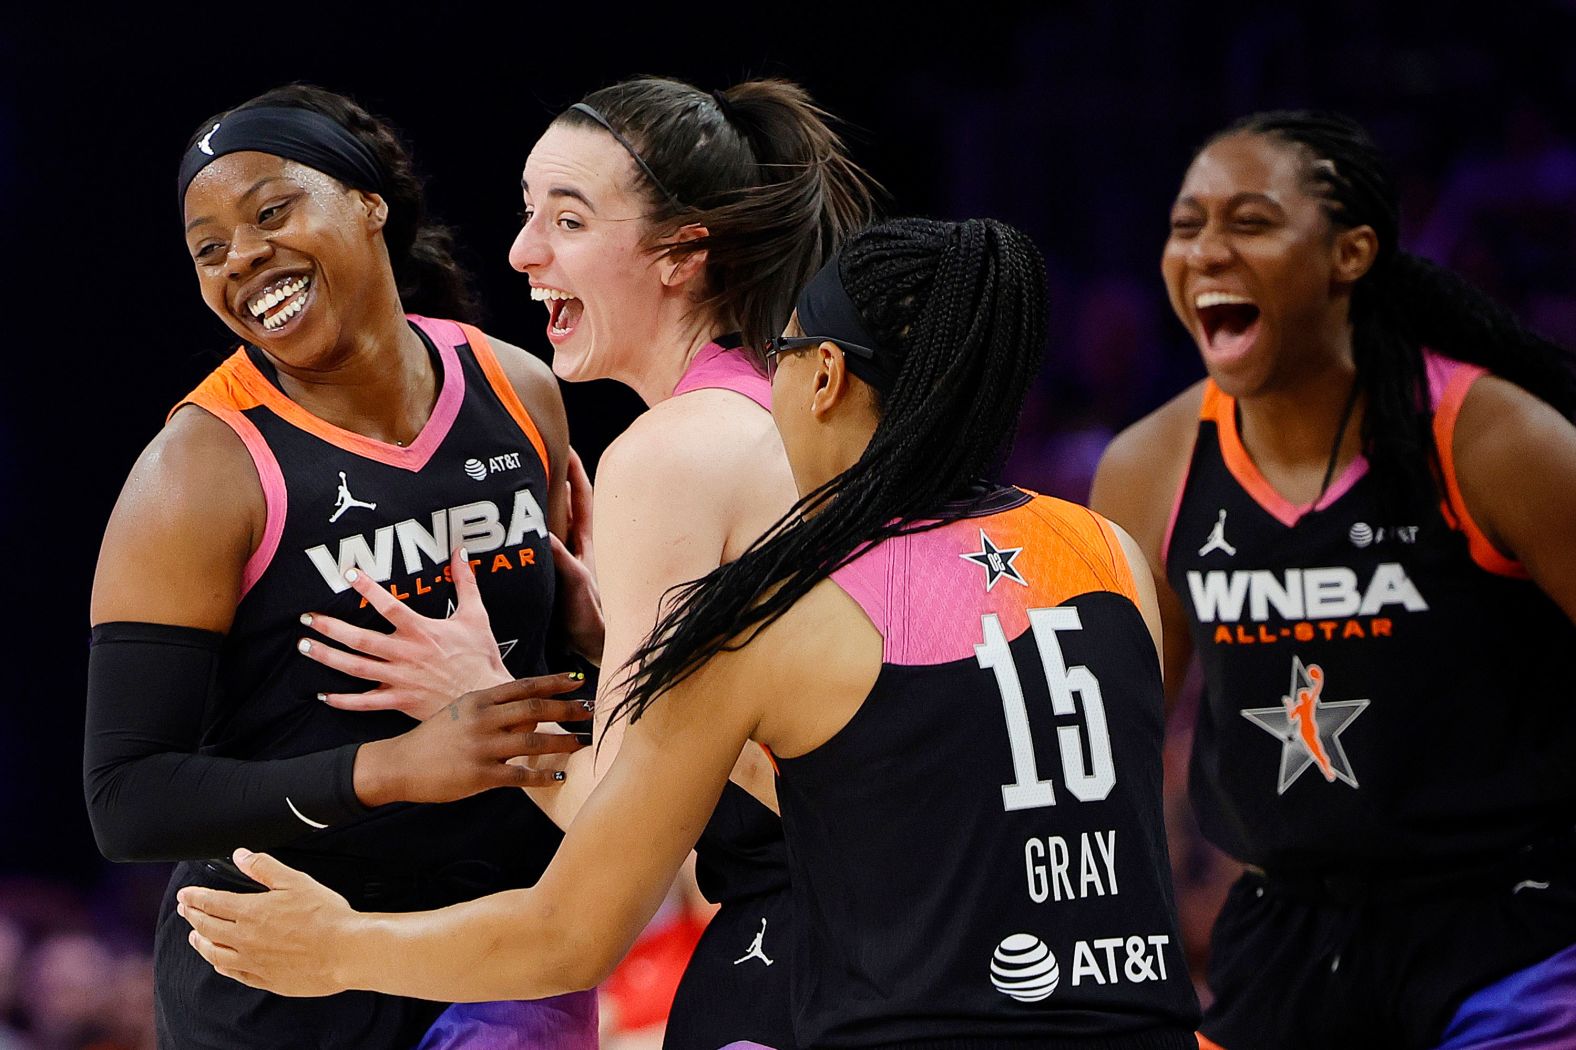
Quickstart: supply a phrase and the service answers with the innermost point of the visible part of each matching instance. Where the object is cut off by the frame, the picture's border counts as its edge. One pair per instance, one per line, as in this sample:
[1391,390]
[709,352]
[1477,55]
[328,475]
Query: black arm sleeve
[150,796]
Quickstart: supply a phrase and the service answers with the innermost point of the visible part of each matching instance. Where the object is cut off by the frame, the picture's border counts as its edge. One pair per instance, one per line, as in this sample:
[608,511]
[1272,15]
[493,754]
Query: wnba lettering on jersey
[477,526]
[1314,597]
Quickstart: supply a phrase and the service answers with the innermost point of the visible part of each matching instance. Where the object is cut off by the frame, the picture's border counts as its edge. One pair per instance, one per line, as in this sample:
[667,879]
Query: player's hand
[465,749]
[579,602]
[287,940]
[424,663]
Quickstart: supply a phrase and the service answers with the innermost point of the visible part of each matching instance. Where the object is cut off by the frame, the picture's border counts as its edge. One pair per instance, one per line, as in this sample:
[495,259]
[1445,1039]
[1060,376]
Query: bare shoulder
[1143,466]
[189,515]
[701,444]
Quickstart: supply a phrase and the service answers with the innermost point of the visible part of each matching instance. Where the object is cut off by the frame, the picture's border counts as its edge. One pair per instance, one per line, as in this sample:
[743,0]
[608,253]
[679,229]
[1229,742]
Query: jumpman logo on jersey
[755,951]
[1309,727]
[996,561]
[1217,538]
[346,501]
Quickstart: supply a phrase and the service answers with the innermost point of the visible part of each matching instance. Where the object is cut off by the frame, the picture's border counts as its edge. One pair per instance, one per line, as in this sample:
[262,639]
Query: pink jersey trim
[720,368]
[1176,508]
[276,498]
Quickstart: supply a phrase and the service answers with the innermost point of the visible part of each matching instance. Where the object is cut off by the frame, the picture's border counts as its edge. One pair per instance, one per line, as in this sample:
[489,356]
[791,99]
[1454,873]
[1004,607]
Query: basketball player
[338,441]
[663,257]
[1364,516]
[986,881]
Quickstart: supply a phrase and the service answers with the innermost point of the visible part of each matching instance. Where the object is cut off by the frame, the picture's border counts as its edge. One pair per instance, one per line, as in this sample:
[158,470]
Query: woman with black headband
[960,684]
[667,231]
[1363,521]
[348,438]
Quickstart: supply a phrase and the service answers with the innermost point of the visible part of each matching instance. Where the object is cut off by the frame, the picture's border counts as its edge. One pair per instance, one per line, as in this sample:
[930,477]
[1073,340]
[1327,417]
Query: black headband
[290,132]
[825,311]
[628,148]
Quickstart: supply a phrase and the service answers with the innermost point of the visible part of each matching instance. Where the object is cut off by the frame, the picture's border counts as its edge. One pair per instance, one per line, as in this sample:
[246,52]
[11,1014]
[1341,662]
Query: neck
[1298,425]
[377,381]
[654,374]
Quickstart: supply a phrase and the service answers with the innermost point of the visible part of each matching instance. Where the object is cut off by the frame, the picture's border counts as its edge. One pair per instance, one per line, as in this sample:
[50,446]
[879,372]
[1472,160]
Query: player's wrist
[378,777]
[355,947]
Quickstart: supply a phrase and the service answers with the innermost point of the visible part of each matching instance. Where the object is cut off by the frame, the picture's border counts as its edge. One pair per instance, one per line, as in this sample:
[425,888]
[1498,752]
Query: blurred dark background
[1073,121]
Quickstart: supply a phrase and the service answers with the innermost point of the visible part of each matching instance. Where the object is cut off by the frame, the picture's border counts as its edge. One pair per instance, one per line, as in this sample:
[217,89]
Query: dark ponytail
[421,252]
[759,166]
[963,306]
[1404,304]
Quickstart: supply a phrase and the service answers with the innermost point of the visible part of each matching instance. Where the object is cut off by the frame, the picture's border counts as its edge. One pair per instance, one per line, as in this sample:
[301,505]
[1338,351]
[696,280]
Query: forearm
[512,945]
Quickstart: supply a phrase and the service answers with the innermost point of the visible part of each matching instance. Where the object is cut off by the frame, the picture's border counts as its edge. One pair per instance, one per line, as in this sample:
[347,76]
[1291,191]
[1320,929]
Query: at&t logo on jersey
[477,470]
[1024,967]
[1320,602]
[478,526]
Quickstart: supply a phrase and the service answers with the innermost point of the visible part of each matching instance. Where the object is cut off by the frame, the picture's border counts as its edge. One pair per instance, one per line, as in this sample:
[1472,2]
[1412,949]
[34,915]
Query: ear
[832,384]
[374,209]
[677,271]
[1354,253]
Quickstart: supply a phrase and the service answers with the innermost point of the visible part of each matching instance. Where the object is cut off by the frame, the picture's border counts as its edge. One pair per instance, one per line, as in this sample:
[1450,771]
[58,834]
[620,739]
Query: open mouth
[563,310]
[281,301]
[1230,322]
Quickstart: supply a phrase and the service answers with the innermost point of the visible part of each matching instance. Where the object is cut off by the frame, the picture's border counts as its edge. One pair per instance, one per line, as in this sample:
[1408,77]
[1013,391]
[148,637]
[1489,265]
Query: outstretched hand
[424,663]
[289,940]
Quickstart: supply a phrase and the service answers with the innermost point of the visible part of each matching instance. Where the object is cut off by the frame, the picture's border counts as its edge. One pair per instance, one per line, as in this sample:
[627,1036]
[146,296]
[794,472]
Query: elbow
[120,837]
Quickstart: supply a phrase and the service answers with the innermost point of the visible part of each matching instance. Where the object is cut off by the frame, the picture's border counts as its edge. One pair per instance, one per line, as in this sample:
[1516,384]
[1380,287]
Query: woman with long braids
[667,231]
[333,444]
[960,684]
[1365,516]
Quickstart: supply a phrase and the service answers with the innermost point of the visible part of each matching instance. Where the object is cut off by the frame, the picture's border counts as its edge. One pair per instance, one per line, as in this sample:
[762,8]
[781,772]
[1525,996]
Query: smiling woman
[343,421]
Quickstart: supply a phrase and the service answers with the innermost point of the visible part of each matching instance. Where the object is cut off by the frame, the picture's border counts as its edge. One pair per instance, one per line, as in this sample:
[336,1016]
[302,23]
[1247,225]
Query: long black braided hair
[1403,304]
[962,305]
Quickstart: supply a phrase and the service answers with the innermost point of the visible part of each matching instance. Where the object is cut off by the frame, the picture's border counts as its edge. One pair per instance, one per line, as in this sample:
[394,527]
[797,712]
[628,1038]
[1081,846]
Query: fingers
[369,643]
[275,874]
[563,558]
[216,904]
[389,607]
[353,664]
[519,745]
[529,776]
[379,699]
[534,710]
[528,688]
[580,499]
[465,589]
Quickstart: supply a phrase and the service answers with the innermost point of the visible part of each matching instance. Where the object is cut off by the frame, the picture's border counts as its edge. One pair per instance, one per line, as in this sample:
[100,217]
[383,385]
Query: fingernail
[306,619]
[323,697]
[242,856]
[465,555]
[558,775]
[589,705]
[304,645]
[180,909]
[578,676]
[351,574]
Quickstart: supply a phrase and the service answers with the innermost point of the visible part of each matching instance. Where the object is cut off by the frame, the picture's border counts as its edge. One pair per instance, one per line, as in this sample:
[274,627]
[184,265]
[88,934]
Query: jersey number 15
[1029,790]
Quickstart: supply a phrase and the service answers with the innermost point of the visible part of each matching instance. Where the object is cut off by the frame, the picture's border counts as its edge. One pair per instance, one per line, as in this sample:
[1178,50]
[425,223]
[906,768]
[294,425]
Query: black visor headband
[826,312]
[302,135]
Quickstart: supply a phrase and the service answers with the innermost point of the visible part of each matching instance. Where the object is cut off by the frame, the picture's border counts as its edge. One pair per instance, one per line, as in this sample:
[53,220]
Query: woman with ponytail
[350,413]
[667,230]
[990,881]
[1365,517]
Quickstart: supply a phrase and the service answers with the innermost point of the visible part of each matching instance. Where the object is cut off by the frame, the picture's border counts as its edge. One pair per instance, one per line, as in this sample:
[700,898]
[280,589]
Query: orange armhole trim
[1455,506]
[505,390]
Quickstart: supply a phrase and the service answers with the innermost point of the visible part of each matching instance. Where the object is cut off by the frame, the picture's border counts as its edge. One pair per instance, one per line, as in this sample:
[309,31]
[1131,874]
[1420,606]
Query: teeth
[276,294]
[541,295]
[289,310]
[1208,299]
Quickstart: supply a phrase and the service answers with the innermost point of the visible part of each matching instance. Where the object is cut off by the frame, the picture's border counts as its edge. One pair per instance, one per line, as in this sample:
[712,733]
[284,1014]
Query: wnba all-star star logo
[1309,728]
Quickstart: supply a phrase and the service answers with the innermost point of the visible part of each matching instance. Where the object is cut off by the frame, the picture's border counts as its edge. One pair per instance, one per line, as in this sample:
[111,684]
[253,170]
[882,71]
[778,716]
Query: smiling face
[1254,268]
[584,246]
[286,256]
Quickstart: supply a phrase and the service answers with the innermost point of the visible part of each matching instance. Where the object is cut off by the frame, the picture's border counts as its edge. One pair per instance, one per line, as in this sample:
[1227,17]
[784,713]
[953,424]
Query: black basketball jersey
[1378,693]
[978,857]
[476,475]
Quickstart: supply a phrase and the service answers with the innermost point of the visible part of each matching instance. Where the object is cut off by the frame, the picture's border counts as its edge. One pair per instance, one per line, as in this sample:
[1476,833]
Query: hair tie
[723,105]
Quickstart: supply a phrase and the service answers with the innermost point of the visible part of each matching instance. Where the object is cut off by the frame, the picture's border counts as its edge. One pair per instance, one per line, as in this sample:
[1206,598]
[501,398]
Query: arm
[1135,487]
[1515,462]
[605,882]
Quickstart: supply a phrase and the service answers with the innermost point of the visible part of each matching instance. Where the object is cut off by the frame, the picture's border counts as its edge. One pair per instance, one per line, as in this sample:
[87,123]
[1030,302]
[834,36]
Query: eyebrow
[563,191]
[259,184]
[1236,200]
